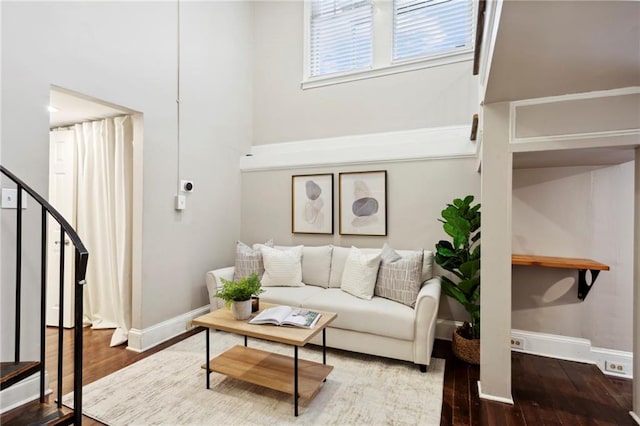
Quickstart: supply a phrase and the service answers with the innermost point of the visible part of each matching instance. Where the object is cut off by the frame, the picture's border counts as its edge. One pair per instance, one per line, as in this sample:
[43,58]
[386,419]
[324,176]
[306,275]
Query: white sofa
[379,326]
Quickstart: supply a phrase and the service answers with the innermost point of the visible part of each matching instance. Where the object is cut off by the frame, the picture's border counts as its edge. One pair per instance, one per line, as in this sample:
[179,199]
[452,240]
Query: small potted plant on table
[461,257]
[237,295]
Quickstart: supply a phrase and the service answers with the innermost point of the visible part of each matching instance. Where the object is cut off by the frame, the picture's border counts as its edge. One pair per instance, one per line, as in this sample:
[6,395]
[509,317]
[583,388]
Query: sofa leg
[423,368]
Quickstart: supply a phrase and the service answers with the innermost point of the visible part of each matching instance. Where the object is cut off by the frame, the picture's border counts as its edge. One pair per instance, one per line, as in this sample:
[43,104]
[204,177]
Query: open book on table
[286,315]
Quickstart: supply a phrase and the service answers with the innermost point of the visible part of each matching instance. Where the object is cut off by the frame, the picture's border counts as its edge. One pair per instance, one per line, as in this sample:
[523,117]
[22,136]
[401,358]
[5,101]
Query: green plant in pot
[461,257]
[237,295]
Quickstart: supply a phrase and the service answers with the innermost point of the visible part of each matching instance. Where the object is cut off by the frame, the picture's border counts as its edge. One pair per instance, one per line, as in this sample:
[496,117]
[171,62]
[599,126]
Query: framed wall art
[363,203]
[312,204]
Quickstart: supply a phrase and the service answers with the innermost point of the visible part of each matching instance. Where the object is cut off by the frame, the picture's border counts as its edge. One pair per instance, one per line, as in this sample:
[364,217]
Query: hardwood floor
[546,391]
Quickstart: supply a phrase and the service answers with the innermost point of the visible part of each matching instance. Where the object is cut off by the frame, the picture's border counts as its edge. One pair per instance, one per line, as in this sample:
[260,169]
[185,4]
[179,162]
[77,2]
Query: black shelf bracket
[583,286]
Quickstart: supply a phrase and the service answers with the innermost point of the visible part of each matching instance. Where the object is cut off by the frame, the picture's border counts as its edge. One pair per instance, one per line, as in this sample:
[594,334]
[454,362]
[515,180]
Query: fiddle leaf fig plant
[461,257]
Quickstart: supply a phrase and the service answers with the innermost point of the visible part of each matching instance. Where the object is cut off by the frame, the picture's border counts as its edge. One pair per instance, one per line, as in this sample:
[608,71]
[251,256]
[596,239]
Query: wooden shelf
[273,371]
[582,265]
[557,262]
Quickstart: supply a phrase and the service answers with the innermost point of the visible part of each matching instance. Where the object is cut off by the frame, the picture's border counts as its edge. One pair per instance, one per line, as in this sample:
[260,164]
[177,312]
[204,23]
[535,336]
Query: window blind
[423,28]
[341,36]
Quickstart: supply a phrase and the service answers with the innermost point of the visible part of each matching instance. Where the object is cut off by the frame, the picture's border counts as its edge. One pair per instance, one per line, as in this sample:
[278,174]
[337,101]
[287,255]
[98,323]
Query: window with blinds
[423,28]
[341,36]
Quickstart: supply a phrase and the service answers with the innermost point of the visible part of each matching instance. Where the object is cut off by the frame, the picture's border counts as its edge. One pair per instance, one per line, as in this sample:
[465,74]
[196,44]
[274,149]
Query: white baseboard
[635,417]
[142,340]
[574,349]
[23,392]
[444,328]
[493,397]
[560,347]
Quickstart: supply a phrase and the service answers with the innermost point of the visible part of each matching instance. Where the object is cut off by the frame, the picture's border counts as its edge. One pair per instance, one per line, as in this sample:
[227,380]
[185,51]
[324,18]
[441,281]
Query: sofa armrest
[427,305]
[214,282]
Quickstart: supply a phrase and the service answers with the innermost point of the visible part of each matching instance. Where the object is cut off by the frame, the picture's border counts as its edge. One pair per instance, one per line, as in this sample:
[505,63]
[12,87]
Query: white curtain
[104,221]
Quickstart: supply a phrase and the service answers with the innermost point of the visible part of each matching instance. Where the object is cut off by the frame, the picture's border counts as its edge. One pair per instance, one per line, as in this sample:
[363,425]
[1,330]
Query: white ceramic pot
[241,310]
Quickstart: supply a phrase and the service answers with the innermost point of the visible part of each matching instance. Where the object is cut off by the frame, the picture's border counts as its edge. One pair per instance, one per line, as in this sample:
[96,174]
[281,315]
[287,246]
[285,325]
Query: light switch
[10,198]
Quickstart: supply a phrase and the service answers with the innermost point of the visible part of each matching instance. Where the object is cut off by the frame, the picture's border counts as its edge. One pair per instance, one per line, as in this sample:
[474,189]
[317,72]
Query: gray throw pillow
[400,280]
[249,260]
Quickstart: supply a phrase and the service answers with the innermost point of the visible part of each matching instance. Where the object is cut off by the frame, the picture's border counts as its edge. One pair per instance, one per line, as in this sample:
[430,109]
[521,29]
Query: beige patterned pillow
[400,280]
[249,260]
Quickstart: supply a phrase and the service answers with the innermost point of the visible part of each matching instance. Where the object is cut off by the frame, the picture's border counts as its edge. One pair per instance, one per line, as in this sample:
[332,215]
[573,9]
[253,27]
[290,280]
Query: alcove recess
[586,129]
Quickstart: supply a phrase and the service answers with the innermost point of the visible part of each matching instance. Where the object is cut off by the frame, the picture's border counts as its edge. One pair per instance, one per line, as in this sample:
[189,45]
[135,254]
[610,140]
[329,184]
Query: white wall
[433,97]
[125,53]
[584,212]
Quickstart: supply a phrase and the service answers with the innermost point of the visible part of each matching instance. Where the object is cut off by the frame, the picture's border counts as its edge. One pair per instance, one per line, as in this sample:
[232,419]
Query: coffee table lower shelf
[270,370]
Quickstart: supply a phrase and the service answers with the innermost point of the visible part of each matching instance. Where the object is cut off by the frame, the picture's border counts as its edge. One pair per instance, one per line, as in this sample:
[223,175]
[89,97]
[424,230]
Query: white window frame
[383,63]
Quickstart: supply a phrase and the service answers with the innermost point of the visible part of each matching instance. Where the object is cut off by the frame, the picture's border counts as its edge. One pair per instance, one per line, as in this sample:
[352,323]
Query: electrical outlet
[10,198]
[517,343]
[617,367]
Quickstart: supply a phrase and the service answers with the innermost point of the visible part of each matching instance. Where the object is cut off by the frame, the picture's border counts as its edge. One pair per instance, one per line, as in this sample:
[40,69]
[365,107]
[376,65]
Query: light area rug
[169,388]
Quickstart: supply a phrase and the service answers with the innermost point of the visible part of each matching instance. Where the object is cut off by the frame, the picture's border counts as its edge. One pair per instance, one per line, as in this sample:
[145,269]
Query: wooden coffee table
[300,378]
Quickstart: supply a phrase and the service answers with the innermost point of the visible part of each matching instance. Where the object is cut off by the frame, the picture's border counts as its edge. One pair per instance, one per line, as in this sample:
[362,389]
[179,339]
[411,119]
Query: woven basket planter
[467,350]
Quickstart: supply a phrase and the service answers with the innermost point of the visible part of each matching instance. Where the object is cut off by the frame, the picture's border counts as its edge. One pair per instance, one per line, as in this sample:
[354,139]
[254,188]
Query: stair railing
[81,258]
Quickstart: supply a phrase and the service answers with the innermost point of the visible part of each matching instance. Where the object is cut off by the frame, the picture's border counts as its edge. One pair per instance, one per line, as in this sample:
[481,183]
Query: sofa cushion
[400,280]
[316,265]
[360,273]
[290,296]
[338,259]
[377,316]
[249,260]
[282,268]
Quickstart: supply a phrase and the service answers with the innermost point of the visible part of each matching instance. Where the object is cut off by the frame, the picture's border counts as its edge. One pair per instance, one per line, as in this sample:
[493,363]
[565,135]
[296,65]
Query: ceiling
[549,48]
[75,108]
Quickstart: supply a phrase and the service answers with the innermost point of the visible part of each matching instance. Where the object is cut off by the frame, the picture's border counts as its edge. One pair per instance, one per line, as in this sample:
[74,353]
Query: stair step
[13,372]
[35,413]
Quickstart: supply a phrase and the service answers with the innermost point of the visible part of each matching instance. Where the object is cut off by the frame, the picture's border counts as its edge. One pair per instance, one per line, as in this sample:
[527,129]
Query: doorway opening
[93,152]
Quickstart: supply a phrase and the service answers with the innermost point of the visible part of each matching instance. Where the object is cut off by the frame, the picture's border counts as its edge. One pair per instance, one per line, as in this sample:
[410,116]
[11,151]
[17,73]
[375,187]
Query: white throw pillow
[282,268]
[316,264]
[360,273]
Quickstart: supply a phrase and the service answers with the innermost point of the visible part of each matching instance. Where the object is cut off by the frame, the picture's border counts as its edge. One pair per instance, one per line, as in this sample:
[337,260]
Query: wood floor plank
[599,405]
[461,397]
[474,397]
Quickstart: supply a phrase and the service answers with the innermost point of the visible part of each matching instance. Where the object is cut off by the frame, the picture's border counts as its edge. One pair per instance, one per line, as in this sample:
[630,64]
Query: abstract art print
[363,203]
[312,204]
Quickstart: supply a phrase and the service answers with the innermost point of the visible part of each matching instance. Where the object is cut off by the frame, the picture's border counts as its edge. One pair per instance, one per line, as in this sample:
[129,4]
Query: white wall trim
[577,136]
[492,397]
[491,24]
[635,417]
[407,145]
[394,68]
[513,107]
[632,90]
[142,340]
[23,392]
[556,346]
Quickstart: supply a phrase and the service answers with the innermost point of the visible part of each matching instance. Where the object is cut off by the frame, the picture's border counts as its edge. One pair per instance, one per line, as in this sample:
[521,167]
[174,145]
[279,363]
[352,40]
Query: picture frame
[312,204]
[363,203]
